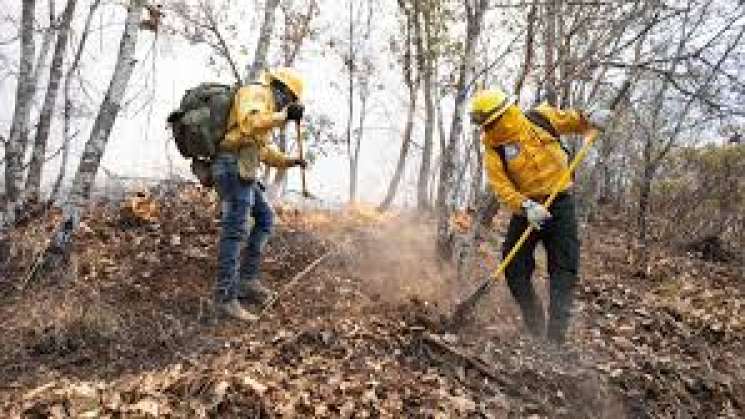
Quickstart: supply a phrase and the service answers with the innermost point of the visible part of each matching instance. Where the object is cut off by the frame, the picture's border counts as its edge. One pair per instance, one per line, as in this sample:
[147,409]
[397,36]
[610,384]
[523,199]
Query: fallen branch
[470,360]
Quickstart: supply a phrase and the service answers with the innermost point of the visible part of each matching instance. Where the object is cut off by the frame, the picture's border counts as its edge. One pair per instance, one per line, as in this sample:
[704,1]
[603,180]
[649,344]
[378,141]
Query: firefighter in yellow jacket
[258,108]
[524,161]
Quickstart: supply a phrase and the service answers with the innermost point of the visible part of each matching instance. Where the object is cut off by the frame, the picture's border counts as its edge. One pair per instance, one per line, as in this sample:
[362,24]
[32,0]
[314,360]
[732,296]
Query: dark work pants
[560,239]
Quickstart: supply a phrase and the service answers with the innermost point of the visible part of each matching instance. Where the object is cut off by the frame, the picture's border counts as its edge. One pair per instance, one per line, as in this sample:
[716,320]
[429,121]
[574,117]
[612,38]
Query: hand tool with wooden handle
[302,157]
[465,307]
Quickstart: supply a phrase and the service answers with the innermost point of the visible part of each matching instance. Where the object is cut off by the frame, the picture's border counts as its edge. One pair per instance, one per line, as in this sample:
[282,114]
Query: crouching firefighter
[524,161]
[258,108]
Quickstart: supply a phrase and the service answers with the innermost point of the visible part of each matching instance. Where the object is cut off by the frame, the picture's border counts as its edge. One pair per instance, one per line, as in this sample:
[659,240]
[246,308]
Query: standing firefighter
[524,161]
[257,109]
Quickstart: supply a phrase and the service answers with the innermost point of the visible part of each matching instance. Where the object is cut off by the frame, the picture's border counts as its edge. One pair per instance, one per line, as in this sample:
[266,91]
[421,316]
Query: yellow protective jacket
[250,124]
[535,160]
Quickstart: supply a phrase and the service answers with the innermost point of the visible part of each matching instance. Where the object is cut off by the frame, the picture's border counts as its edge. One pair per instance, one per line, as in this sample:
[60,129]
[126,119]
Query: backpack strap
[499,149]
[233,91]
[540,120]
[537,118]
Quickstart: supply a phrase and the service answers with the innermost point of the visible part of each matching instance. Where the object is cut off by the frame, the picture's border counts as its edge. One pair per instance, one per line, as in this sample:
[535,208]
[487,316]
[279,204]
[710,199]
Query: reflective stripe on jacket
[535,160]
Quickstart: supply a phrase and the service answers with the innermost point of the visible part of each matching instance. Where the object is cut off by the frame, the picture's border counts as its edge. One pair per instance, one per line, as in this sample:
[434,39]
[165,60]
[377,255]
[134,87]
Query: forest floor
[125,330]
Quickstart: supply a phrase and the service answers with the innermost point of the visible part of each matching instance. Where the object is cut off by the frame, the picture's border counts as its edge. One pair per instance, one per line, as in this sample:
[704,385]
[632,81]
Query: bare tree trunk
[33,181]
[85,175]
[564,57]
[41,58]
[355,158]
[549,47]
[104,122]
[56,189]
[442,141]
[487,207]
[262,46]
[426,59]
[46,43]
[405,145]
[478,168]
[474,19]
[350,117]
[363,67]
[644,195]
[20,124]
[412,82]
[529,50]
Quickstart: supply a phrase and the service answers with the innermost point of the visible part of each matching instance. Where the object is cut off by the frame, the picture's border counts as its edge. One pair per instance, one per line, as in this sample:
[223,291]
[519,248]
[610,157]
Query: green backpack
[200,123]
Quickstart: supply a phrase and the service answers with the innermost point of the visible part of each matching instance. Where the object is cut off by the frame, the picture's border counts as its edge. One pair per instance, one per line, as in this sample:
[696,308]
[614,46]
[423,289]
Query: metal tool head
[463,310]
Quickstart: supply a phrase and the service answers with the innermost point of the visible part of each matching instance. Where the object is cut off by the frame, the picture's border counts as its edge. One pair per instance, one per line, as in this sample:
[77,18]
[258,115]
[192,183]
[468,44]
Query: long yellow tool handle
[302,155]
[465,306]
[589,140]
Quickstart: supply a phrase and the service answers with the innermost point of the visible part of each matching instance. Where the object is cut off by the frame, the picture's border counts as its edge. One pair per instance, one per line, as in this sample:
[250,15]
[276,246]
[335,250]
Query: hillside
[128,331]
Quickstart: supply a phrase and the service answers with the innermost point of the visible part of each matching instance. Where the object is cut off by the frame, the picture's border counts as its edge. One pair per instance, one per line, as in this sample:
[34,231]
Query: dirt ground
[125,331]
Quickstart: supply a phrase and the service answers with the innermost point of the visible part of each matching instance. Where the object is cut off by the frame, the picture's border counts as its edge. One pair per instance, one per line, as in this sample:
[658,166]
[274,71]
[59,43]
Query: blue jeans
[238,199]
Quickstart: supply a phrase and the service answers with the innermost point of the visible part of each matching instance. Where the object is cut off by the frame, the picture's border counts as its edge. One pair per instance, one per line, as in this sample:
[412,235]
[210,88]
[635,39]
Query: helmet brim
[483,119]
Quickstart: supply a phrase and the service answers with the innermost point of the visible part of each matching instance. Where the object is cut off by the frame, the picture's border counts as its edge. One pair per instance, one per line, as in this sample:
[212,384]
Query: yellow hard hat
[488,105]
[290,78]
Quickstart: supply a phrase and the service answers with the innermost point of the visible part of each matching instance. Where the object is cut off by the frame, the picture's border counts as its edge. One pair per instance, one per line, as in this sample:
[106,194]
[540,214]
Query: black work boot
[254,292]
[533,317]
[558,322]
[560,309]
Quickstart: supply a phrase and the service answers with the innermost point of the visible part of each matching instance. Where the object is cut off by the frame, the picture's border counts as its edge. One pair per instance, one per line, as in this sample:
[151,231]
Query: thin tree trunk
[565,54]
[41,58]
[262,45]
[549,48]
[350,117]
[56,189]
[20,124]
[355,160]
[412,82]
[433,182]
[529,50]
[33,181]
[478,168]
[364,94]
[46,43]
[474,19]
[644,196]
[96,145]
[487,207]
[405,145]
[425,65]
[442,135]
[104,122]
